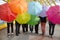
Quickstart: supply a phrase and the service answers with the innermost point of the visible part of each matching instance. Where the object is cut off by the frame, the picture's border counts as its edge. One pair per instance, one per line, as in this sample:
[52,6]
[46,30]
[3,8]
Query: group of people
[43,20]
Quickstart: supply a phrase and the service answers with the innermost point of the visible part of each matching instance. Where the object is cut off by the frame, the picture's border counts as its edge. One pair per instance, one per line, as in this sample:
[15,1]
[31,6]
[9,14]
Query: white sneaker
[12,34]
[8,34]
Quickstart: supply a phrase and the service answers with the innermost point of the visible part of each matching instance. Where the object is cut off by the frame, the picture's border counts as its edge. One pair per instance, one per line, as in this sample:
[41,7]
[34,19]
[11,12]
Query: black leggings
[8,27]
[51,28]
[36,28]
[31,28]
[25,27]
[17,27]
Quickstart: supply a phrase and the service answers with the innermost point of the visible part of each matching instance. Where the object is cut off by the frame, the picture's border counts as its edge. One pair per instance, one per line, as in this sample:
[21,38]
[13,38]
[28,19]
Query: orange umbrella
[18,6]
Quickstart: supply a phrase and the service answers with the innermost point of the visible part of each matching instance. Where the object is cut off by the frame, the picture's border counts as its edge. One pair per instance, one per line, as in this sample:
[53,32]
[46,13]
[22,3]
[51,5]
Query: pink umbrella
[53,14]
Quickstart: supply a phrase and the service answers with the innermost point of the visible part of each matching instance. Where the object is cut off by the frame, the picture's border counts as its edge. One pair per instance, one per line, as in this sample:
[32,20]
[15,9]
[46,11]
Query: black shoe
[23,31]
[26,31]
[51,36]
[18,32]
[36,32]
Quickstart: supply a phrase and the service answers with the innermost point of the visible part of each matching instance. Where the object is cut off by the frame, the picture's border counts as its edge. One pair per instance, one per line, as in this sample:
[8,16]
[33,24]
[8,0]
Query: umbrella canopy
[18,6]
[53,14]
[44,10]
[5,13]
[34,20]
[23,18]
[34,8]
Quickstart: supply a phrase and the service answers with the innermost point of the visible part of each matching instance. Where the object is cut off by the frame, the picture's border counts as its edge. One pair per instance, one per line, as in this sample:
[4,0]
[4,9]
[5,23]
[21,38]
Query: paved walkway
[32,36]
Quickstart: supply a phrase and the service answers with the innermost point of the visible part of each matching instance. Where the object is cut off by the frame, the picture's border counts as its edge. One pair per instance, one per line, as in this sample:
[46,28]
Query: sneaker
[17,34]
[12,33]
[36,32]
[8,34]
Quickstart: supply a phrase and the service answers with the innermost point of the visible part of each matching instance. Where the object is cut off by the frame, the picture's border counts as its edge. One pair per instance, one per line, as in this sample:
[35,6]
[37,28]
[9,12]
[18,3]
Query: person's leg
[11,27]
[8,27]
[36,28]
[16,24]
[23,27]
[43,27]
[26,26]
[50,28]
[53,27]
[31,28]
[18,28]
[43,24]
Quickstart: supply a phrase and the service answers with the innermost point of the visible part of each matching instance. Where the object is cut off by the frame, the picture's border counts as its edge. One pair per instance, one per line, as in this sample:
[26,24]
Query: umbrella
[18,6]
[53,14]
[23,18]
[34,20]
[34,8]
[5,13]
[44,10]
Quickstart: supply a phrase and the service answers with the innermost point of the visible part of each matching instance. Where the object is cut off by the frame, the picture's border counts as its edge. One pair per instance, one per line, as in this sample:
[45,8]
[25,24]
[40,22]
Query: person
[43,17]
[10,24]
[51,28]
[25,28]
[17,28]
[36,26]
[43,24]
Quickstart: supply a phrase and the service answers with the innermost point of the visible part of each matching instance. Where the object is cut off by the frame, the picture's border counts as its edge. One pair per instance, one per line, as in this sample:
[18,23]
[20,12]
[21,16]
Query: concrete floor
[31,36]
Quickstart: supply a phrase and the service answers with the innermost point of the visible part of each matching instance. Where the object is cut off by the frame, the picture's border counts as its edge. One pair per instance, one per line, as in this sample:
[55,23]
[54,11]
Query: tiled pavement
[32,36]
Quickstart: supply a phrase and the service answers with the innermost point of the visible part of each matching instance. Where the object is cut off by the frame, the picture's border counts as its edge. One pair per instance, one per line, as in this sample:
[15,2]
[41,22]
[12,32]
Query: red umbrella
[5,13]
[53,14]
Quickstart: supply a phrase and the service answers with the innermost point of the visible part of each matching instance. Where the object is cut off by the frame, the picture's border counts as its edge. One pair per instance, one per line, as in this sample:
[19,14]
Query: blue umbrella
[34,8]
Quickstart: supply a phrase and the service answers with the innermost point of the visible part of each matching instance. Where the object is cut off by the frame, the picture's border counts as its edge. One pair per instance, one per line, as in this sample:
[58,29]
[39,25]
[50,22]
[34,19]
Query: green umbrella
[34,20]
